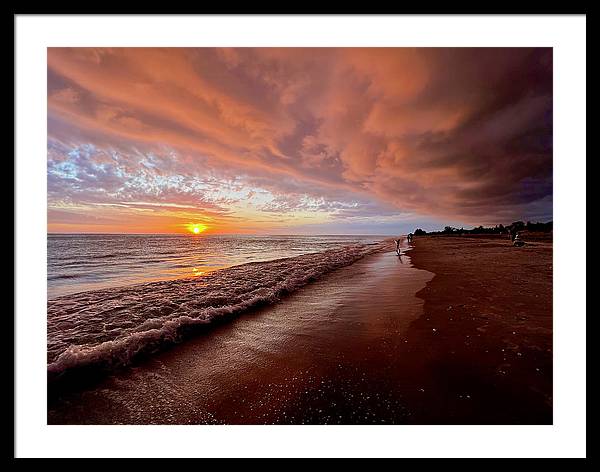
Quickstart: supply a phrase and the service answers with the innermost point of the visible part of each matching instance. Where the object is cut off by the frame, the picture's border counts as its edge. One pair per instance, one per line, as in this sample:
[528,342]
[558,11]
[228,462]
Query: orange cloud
[458,132]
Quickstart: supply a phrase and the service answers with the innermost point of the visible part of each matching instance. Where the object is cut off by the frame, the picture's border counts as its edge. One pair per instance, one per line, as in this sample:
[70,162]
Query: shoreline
[324,334]
[374,342]
[146,317]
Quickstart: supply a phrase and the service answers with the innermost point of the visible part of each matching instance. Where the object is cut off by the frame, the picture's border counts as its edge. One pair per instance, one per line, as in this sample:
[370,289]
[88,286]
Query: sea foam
[111,327]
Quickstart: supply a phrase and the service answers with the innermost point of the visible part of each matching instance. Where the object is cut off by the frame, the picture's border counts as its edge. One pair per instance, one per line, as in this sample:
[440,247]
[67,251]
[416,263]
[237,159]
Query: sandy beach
[457,331]
[486,331]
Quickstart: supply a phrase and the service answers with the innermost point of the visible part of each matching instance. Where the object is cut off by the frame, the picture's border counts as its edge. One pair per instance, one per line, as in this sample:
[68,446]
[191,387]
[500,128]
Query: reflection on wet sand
[326,354]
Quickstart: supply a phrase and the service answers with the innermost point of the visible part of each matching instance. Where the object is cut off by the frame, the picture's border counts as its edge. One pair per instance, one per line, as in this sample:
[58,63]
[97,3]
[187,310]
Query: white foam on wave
[109,328]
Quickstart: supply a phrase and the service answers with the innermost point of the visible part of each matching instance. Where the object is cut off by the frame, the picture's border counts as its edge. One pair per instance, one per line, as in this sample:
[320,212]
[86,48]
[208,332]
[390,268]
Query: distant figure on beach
[518,242]
[513,233]
[410,237]
[397,241]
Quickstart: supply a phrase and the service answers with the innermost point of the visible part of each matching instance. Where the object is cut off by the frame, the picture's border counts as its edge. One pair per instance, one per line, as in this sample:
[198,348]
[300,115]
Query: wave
[110,328]
[88,256]
[64,276]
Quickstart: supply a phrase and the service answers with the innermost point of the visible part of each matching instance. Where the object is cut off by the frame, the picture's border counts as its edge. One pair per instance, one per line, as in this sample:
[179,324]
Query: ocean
[83,262]
[112,298]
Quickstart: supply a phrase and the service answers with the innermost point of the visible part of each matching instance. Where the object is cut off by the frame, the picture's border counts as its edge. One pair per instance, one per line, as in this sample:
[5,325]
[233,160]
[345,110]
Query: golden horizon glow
[196,228]
[297,140]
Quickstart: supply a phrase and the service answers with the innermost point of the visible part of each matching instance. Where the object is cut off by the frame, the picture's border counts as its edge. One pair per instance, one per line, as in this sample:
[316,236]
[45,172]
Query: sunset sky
[297,140]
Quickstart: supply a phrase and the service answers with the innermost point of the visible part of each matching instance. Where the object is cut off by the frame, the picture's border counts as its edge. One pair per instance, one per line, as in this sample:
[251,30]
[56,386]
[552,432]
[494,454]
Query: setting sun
[196,228]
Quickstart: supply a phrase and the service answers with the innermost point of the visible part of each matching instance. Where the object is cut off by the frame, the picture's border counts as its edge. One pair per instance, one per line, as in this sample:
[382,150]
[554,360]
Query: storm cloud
[450,134]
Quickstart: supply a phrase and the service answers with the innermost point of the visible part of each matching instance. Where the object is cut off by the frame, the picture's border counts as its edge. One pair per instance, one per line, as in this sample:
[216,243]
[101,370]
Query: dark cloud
[461,134]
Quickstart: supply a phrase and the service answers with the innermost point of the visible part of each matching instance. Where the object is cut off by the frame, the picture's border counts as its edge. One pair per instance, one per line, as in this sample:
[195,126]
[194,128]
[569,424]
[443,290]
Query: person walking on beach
[397,241]
[409,237]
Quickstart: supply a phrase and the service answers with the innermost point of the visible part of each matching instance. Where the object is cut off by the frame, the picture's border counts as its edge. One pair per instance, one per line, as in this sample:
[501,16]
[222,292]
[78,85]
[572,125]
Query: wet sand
[377,342]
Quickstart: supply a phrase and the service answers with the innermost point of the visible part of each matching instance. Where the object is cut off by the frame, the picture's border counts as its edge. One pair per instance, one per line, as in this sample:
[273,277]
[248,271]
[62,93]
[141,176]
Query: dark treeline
[498,229]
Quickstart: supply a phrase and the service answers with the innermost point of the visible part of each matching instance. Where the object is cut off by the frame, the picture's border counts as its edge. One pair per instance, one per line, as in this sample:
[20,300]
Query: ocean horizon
[79,262]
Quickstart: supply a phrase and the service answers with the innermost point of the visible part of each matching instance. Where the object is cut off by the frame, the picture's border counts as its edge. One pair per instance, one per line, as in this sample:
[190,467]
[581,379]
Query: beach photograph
[236,236]
[295,244]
